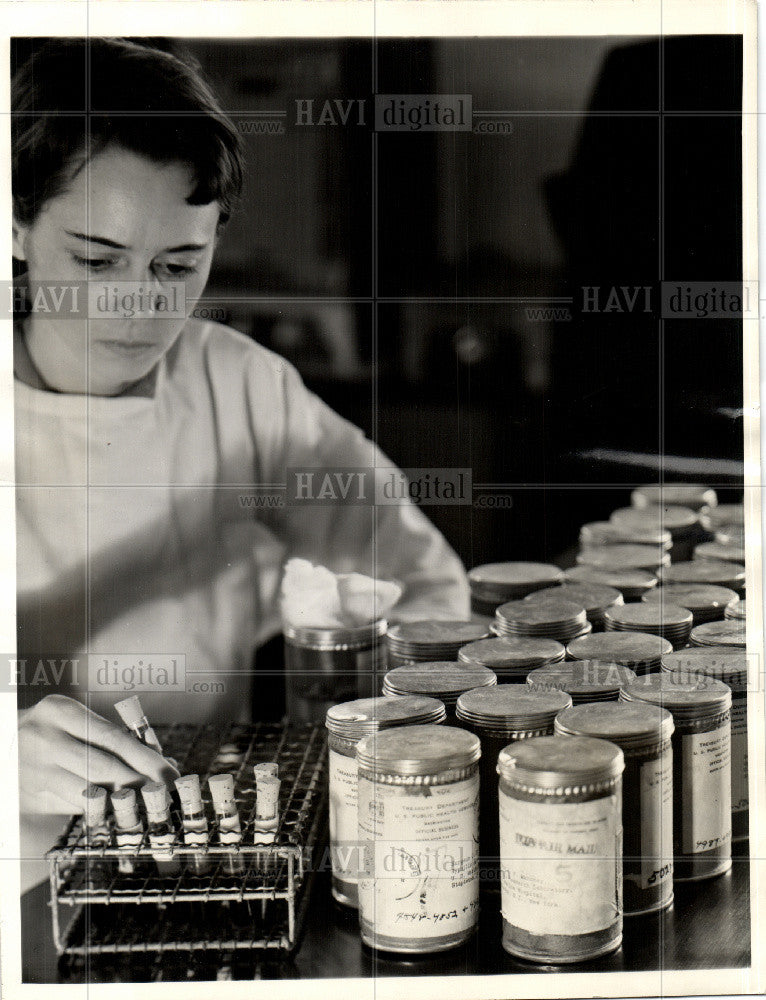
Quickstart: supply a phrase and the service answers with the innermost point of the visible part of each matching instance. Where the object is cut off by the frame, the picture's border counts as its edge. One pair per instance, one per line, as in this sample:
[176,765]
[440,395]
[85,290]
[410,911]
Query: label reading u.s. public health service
[343,818]
[706,777]
[421,853]
[656,807]
[740,794]
[561,865]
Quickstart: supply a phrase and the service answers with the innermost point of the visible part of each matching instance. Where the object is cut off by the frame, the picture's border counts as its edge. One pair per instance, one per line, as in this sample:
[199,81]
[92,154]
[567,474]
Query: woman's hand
[63,747]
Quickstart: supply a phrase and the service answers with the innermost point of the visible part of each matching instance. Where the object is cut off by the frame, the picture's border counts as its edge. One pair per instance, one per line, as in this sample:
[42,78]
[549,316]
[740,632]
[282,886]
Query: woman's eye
[93,263]
[175,270]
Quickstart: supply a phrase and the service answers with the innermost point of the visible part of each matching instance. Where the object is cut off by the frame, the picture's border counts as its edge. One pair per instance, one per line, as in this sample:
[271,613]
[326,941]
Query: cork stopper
[94,805]
[190,794]
[155,796]
[267,768]
[130,712]
[222,790]
[124,805]
[267,798]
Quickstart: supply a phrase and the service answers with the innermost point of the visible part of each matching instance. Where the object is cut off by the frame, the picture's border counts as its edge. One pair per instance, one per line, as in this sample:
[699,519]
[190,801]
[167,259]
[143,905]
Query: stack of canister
[551,618]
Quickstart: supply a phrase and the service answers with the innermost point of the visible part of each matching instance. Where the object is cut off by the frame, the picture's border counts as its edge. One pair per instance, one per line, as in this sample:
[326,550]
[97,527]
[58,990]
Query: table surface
[708,926]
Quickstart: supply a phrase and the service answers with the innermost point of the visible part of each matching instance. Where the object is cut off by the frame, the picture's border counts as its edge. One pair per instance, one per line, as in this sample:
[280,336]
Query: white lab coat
[133,539]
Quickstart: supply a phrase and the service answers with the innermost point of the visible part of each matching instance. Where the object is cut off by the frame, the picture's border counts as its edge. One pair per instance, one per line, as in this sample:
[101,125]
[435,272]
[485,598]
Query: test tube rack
[252,896]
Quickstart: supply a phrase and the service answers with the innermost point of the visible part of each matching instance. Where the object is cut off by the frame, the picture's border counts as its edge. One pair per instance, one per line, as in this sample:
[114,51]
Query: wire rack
[225,898]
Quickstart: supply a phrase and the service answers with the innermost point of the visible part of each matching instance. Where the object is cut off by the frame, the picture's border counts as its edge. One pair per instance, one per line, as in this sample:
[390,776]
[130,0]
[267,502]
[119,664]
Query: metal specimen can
[643,734]
[729,666]
[561,848]
[495,583]
[427,641]
[512,657]
[324,666]
[583,680]
[443,680]
[498,716]
[419,832]
[346,725]
[701,710]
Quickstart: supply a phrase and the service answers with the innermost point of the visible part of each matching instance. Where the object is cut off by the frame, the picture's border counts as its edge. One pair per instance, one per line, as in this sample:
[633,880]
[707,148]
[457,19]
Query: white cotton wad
[315,597]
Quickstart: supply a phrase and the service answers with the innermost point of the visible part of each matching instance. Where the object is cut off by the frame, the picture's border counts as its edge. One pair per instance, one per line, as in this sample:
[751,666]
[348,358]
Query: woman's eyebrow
[87,238]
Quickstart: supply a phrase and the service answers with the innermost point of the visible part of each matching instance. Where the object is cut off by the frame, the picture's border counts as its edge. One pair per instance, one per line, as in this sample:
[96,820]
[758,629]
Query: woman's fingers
[58,791]
[88,727]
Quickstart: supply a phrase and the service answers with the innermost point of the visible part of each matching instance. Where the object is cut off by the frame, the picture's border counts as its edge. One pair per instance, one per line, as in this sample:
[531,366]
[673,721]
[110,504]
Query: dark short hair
[74,97]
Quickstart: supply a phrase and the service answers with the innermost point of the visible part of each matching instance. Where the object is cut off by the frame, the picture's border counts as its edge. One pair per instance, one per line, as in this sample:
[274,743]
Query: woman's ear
[20,233]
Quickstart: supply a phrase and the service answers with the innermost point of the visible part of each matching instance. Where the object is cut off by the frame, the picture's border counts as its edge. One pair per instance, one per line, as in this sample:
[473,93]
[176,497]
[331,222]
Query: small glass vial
[498,716]
[512,657]
[427,641]
[419,831]
[443,680]
[132,715]
[128,829]
[161,833]
[346,725]
[194,822]
[98,869]
[583,680]
[227,816]
[561,848]
[643,734]
[729,666]
[701,710]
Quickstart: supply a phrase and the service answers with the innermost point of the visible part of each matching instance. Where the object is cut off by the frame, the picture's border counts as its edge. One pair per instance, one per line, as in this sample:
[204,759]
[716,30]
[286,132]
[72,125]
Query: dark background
[383,264]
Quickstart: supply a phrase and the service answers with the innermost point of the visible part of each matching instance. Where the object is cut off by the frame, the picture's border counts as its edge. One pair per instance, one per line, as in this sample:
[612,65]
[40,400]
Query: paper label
[344,849]
[561,865]
[420,873]
[656,791]
[740,793]
[706,777]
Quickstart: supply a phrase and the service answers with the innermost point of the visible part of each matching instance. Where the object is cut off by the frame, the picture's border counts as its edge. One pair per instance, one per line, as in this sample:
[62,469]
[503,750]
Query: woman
[137,438]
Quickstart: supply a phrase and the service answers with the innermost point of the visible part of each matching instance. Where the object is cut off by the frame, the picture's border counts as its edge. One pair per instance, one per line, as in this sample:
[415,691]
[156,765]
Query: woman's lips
[126,348]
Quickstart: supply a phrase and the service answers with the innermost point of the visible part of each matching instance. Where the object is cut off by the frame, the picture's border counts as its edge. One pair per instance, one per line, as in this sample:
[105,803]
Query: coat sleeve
[392,542]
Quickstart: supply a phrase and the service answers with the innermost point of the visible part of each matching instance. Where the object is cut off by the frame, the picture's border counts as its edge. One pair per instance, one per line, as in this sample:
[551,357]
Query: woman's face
[123,225]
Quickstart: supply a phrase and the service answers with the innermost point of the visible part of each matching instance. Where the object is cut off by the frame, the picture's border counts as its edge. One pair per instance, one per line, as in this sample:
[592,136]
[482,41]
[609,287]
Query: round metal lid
[704,571]
[724,513]
[625,648]
[580,677]
[730,552]
[440,677]
[516,706]
[656,613]
[725,633]
[508,578]
[670,517]
[357,718]
[684,698]
[433,632]
[727,665]
[591,596]
[414,750]
[736,611]
[606,533]
[556,761]
[626,723]
[335,638]
[624,580]
[624,557]
[547,611]
[512,651]
[691,495]
[694,596]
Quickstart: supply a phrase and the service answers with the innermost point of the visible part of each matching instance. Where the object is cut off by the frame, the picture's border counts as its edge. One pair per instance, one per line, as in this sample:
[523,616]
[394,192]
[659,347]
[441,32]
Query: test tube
[129,831]
[229,829]
[132,715]
[161,832]
[266,820]
[194,821]
[96,834]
